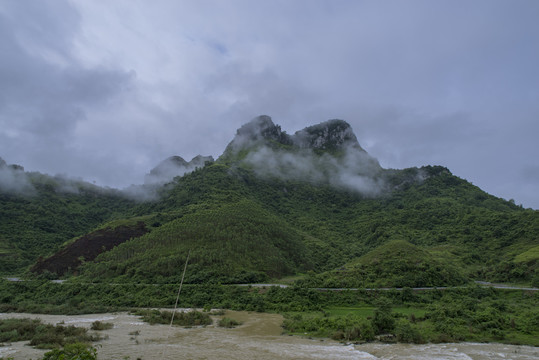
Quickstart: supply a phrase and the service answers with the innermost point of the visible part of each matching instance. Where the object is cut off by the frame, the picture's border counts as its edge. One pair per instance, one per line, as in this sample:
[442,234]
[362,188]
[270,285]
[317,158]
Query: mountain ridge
[276,205]
[330,135]
[174,166]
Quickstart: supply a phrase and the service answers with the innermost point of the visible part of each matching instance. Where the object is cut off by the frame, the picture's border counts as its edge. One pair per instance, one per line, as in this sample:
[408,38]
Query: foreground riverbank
[472,314]
[259,337]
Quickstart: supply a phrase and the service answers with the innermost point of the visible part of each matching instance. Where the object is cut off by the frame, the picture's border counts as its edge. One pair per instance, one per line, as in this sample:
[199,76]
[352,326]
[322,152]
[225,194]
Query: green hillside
[396,263]
[37,222]
[228,242]
[313,204]
[221,210]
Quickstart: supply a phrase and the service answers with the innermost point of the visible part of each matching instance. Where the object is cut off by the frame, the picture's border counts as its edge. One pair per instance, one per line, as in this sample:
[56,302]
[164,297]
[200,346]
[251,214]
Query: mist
[325,153]
[161,176]
[174,166]
[16,181]
[13,179]
[355,170]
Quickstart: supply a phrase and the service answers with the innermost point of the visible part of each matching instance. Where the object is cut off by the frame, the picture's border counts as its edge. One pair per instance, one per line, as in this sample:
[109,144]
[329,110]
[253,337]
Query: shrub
[44,336]
[361,329]
[228,323]
[407,333]
[189,318]
[76,351]
[99,325]
[383,321]
[529,322]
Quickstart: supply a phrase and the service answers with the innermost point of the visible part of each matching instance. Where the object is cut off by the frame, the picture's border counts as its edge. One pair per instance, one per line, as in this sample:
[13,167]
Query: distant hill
[396,263]
[174,166]
[38,213]
[313,204]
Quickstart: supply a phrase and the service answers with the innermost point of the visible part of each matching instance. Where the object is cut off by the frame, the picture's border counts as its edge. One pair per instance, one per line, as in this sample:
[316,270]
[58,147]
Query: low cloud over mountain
[327,153]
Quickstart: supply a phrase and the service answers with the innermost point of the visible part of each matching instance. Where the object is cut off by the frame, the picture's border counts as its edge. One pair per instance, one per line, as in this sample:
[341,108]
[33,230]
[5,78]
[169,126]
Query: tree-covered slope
[396,263]
[313,203]
[227,242]
[47,212]
[222,210]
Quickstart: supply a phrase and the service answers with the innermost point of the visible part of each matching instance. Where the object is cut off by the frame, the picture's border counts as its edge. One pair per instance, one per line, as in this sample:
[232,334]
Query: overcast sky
[105,90]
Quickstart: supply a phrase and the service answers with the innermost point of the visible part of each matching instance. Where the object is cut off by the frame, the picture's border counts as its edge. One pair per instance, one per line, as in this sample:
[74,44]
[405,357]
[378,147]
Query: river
[259,337]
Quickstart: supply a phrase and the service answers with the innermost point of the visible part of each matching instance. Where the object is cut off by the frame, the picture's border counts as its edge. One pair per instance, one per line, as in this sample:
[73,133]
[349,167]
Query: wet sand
[259,337]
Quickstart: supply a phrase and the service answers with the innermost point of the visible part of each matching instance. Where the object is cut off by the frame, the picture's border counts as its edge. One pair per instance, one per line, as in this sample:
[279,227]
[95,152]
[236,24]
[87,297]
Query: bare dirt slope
[87,247]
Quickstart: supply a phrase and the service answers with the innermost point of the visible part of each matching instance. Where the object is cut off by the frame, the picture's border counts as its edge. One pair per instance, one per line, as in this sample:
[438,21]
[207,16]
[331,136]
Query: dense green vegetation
[181,318]
[228,217]
[424,227]
[77,351]
[39,222]
[396,263]
[237,224]
[449,316]
[235,242]
[42,336]
[241,228]
[460,314]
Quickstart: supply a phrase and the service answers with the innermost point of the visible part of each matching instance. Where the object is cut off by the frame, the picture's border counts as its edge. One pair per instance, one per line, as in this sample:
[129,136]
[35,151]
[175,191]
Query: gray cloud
[44,94]
[107,90]
[531,173]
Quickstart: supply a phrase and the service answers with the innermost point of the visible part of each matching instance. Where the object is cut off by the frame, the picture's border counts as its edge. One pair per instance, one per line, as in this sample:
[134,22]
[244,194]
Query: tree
[383,321]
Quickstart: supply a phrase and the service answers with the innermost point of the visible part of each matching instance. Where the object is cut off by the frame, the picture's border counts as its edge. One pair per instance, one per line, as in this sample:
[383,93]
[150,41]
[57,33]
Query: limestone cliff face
[329,135]
[259,129]
[325,153]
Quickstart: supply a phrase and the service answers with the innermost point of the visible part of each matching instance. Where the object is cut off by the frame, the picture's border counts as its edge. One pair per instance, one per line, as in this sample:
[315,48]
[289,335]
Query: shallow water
[459,351]
[258,338]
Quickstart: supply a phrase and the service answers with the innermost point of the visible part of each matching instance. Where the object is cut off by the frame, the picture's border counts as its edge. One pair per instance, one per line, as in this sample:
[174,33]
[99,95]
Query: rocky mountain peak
[260,128]
[174,166]
[13,167]
[260,141]
[163,166]
[200,160]
[329,135]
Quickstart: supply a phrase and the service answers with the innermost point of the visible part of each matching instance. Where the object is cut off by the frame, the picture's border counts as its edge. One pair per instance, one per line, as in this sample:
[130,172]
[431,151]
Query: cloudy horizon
[105,90]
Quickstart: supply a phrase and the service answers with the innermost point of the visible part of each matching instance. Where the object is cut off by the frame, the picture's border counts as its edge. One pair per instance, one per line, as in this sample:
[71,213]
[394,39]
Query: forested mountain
[38,213]
[313,204]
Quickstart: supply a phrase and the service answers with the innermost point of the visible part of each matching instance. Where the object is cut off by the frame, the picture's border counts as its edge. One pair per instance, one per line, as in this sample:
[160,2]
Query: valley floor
[260,336]
[472,314]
